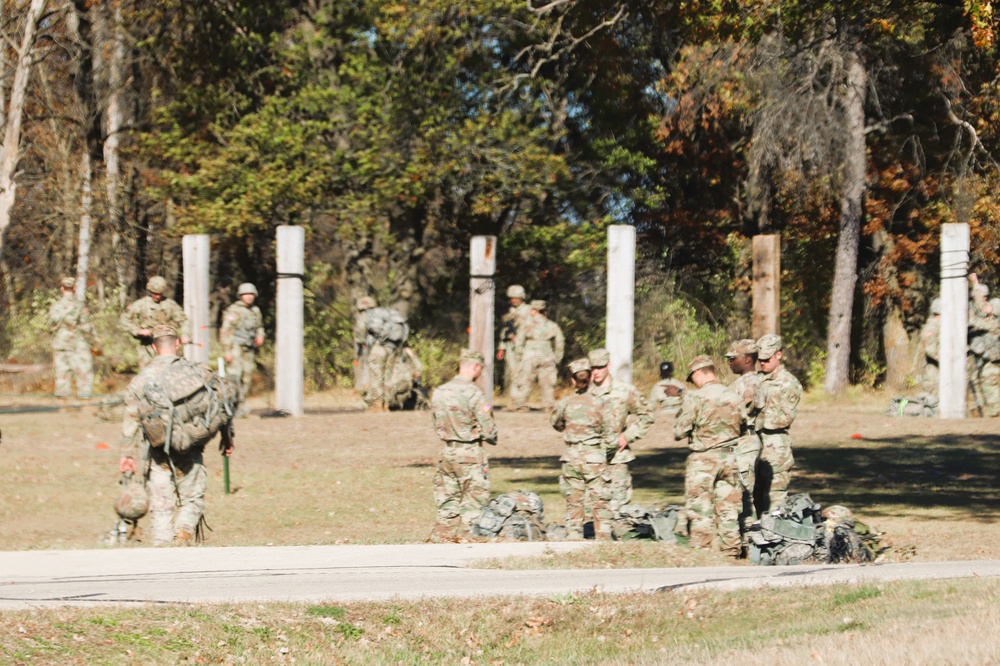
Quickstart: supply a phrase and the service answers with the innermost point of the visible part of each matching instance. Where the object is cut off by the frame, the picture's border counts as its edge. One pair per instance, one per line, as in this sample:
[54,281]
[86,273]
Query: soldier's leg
[747,454]
[599,493]
[523,381]
[475,482]
[510,361]
[61,360]
[699,483]
[728,496]
[620,487]
[990,380]
[84,370]
[573,488]
[192,482]
[378,356]
[547,377]
[162,500]
[774,470]
[447,495]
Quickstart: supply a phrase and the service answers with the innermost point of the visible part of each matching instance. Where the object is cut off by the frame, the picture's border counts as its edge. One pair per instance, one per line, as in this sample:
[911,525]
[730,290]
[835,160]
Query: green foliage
[860,593]
[336,612]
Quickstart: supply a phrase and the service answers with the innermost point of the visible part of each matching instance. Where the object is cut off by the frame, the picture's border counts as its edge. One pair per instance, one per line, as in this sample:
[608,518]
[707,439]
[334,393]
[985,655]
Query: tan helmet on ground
[246,288]
[156,285]
[133,500]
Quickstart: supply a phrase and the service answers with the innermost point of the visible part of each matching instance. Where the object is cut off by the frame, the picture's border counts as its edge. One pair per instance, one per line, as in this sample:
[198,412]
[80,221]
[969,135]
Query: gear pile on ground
[519,515]
[800,530]
[652,522]
[922,405]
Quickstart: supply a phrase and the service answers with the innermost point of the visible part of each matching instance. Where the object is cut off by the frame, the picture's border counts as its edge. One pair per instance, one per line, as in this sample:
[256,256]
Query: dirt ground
[338,475]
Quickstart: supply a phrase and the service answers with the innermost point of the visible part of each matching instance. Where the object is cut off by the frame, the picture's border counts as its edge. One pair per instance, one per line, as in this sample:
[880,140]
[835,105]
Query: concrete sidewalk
[34,579]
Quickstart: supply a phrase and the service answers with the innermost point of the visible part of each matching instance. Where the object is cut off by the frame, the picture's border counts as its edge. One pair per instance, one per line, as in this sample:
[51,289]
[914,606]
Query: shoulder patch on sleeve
[487,407]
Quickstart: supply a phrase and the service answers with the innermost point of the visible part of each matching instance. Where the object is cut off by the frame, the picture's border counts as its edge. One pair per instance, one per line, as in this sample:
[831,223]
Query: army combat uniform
[711,419]
[984,353]
[930,342]
[781,395]
[660,401]
[147,314]
[72,334]
[510,325]
[588,431]
[463,420]
[539,347]
[241,326]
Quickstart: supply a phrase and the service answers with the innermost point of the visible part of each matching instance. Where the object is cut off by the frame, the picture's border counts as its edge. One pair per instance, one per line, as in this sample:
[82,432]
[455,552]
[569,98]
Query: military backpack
[385,325]
[518,515]
[653,522]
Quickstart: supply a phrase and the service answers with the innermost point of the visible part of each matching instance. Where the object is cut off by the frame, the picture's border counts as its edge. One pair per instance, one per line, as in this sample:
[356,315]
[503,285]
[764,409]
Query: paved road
[36,579]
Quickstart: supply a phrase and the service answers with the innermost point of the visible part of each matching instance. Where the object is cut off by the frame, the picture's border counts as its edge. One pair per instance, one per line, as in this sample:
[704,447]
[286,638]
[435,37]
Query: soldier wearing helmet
[72,336]
[150,311]
[241,334]
[540,345]
[510,323]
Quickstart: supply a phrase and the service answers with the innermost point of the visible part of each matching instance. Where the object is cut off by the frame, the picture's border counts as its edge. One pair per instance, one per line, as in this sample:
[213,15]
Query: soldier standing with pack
[711,419]
[782,392]
[742,356]
[464,421]
[241,334]
[72,336]
[152,310]
[539,348]
[386,331]
[930,342]
[176,480]
[624,401]
[588,431]
[511,323]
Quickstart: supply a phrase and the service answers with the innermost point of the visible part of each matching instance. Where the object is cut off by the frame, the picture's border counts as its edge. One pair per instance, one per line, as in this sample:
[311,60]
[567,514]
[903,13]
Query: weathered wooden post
[953,380]
[482,292]
[196,248]
[288,363]
[766,285]
[620,326]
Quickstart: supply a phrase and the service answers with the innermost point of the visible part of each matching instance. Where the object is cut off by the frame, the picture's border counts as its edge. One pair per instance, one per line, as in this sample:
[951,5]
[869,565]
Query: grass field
[341,476]
[942,622]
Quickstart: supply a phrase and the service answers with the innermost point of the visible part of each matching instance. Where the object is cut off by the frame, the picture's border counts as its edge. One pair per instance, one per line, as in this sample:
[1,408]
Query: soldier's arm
[559,344]
[784,405]
[644,417]
[259,334]
[609,432]
[227,329]
[484,417]
[558,416]
[684,424]
[130,444]
[127,321]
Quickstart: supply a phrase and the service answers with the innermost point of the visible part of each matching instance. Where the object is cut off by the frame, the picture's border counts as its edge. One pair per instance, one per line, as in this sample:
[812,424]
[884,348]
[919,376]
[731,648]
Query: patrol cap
[768,346]
[68,283]
[156,285]
[936,306]
[744,347]
[164,331]
[471,355]
[246,288]
[699,362]
[599,358]
[539,305]
[366,302]
[579,365]
[516,291]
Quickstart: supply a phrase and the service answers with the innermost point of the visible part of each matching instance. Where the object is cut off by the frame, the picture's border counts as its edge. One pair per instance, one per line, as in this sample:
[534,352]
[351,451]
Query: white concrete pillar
[482,293]
[954,321]
[289,355]
[196,250]
[620,326]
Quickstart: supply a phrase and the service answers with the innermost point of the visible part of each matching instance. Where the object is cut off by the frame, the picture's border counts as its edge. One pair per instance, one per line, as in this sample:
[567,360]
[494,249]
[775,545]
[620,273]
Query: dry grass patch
[915,622]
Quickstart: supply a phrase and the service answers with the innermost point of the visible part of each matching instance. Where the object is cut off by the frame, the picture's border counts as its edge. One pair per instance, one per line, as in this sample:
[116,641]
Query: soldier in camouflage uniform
[742,357]
[659,398]
[241,334]
[782,392]
[154,309]
[624,401]
[539,348]
[930,342]
[463,420]
[711,420]
[176,481]
[72,335]
[588,430]
[984,349]
[510,324]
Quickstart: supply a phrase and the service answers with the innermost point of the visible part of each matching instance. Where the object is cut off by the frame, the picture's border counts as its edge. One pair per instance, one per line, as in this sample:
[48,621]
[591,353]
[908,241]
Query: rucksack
[185,406]
[921,405]
[640,522]
[517,515]
[386,325]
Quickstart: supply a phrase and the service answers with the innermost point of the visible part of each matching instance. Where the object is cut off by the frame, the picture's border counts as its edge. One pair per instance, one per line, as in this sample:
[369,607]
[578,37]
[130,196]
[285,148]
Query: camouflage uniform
[241,326]
[405,376]
[380,361]
[623,400]
[984,351]
[147,314]
[72,333]
[748,387]
[510,324]
[781,395]
[539,347]
[177,495]
[930,341]
[711,417]
[463,420]
[661,402]
[588,431]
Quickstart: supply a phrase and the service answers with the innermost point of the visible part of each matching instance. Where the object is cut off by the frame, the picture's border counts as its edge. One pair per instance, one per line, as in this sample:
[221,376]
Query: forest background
[393,131]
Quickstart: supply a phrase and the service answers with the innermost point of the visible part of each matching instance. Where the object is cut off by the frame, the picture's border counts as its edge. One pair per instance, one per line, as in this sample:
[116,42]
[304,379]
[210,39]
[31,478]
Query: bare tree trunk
[86,203]
[112,36]
[15,115]
[838,341]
